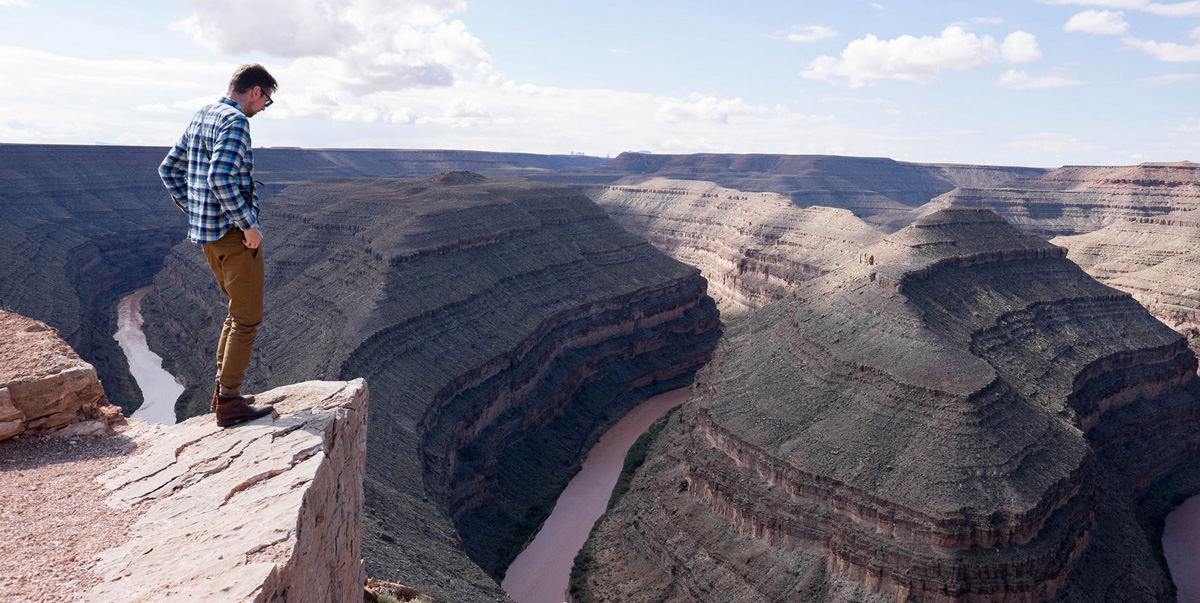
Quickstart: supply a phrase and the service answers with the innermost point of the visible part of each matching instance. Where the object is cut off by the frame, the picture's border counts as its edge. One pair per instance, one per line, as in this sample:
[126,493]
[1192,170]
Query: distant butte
[1155,259]
[754,248]
[953,429]
[1078,199]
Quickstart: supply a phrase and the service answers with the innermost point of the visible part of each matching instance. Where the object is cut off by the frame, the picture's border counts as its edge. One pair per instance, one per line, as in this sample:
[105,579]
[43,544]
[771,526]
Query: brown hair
[250,75]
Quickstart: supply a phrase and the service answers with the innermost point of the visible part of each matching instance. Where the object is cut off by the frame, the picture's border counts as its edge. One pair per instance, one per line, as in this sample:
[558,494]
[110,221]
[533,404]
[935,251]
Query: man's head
[251,88]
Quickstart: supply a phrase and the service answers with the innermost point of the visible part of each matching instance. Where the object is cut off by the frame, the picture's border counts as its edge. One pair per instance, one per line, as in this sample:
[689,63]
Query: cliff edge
[266,511]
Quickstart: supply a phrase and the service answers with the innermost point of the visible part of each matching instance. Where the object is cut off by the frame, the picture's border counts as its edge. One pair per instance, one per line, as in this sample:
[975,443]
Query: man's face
[259,99]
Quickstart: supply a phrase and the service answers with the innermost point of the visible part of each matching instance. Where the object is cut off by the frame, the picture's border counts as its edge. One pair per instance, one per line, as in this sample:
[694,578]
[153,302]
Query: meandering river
[541,572]
[1181,545]
[159,388]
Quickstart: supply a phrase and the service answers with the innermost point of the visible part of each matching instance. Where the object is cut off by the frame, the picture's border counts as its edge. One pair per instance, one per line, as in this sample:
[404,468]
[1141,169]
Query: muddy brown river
[541,572]
[159,388]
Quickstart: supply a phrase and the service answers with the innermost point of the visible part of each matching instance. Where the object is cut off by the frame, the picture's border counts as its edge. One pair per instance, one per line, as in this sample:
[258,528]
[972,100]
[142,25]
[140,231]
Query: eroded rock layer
[1154,259]
[1079,199]
[754,248]
[960,418]
[499,324]
[44,385]
[882,191]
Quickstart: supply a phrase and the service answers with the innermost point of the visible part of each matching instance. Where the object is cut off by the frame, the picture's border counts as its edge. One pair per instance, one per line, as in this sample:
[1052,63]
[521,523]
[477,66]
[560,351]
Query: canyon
[966,415]
[501,323]
[80,226]
[912,400]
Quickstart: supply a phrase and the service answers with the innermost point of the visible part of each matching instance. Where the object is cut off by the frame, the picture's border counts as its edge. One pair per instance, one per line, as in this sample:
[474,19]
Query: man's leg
[239,273]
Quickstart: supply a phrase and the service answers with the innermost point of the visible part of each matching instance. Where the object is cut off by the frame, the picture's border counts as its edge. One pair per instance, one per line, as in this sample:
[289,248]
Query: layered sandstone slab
[1154,259]
[499,322]
[267,511]
[966,416]
[43,382]
[1078,199]
[754,248]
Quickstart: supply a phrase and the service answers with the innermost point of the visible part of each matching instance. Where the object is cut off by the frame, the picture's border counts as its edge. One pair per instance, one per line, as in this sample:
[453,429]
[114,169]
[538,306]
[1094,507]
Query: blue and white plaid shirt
[209,172]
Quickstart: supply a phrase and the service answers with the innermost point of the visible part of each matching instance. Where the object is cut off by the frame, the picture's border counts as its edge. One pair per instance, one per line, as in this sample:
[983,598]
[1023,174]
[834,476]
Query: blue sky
[1026,82]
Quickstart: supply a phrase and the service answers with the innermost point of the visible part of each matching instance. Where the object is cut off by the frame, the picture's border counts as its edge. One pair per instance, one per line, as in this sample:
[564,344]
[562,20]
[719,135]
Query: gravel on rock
[53,520]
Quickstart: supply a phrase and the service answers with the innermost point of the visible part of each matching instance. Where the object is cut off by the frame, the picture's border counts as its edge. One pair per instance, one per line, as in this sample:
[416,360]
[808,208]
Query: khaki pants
[239,273]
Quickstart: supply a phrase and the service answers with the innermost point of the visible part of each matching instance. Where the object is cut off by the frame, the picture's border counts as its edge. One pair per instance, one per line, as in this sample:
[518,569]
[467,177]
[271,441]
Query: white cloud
[1050,144]
[1020,47]
[1170,78]
[15,4]
[876,5]
[1166,51]
[1175,9]
[365,46]
[706,108]
[1022,80]
[1098,22]
[919,60]
[810,33]
[1190,126]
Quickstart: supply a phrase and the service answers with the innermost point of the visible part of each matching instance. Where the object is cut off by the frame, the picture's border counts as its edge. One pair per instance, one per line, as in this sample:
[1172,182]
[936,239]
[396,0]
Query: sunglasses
[269,101]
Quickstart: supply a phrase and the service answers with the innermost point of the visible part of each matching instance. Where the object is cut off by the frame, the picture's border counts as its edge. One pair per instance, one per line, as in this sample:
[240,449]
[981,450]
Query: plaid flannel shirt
[209,172]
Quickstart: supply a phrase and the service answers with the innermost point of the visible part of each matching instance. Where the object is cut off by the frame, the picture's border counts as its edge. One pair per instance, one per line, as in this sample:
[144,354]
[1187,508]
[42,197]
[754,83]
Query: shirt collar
[232,103]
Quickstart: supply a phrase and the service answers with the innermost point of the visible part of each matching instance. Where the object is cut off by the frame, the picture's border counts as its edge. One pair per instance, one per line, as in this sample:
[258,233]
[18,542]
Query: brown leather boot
[212,406]
[231,411]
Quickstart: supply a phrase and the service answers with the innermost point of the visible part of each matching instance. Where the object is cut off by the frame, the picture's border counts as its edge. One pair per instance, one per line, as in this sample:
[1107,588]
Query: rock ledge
[266,511]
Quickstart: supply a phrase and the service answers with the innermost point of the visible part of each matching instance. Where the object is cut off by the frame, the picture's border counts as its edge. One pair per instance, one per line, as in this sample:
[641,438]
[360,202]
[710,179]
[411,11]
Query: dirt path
[541,572]
[53,521]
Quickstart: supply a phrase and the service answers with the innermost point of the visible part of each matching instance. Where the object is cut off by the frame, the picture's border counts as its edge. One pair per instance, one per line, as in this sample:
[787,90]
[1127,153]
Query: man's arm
[173,172]
[228,153]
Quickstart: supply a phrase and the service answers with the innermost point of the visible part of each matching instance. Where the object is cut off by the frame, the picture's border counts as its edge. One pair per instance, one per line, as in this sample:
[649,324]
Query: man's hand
[252,238]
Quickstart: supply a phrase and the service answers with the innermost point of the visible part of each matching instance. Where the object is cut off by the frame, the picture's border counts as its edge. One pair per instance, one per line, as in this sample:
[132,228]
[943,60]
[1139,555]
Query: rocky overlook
[955,419]
[754,248]
[82,225]
[499,323]
[253,513]
[1079,199]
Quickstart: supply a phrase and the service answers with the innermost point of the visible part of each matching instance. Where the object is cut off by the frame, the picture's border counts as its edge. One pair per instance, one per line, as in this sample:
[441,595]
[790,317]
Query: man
[209,174]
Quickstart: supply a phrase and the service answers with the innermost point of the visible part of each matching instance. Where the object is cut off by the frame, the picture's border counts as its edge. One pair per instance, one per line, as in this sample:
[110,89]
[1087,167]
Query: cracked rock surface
[250,513]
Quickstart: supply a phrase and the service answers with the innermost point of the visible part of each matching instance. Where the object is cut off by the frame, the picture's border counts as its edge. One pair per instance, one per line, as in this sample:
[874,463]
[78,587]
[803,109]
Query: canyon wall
[1155,259]
[963,416]
[884,192]
[499,322]
[1075,200]
[754,248]
[81,226]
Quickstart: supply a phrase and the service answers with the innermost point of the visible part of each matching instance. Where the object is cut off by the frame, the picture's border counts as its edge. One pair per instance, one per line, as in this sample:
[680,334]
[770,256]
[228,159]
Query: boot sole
[232,422]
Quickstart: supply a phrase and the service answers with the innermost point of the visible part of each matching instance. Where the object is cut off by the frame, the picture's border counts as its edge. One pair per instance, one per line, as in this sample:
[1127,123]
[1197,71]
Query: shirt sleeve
[230,149]
[173,172]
